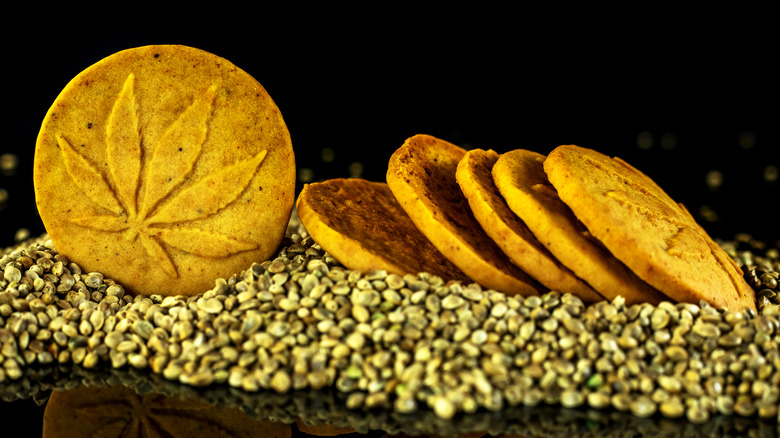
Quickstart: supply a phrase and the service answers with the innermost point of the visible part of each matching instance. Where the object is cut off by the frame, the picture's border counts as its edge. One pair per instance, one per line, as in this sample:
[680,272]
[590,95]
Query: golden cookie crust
[360,223]
[164,167]
[520,178]
[421,175]
[645,228]
[475,177]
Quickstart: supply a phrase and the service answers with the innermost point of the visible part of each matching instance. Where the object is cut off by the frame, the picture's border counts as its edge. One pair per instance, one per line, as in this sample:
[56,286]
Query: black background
[694,85]
[699,92]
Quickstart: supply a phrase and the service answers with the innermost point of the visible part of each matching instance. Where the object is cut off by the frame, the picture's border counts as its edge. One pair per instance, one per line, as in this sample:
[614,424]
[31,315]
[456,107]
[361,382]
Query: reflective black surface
[25,402]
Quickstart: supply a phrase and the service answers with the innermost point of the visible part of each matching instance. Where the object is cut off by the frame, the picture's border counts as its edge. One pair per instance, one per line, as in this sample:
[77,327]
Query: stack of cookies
[575,221]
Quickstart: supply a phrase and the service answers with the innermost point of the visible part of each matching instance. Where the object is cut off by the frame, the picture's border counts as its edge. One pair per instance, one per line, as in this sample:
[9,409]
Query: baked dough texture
[511,234]
[646,229]
[421,175]
[360,223]
[521,180]
[164,167]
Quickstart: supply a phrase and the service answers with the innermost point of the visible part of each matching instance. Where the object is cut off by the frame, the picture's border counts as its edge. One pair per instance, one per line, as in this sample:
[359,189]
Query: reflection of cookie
[323,429]
[642,226]
[521,180]
[512,235]
[164,167]
[460,435]
[421,174]
[360,223]
[121,411]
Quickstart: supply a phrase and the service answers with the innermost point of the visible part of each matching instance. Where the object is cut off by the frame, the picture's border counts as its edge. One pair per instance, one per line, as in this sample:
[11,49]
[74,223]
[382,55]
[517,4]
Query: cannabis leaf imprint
[140,416]
[145,215]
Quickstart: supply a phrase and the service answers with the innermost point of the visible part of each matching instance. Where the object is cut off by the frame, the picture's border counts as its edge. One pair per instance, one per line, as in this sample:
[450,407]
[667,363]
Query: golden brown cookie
[164,168]
[120,411]
[520,178]
[475,177]
[421,174]
[643,227]
[360,223]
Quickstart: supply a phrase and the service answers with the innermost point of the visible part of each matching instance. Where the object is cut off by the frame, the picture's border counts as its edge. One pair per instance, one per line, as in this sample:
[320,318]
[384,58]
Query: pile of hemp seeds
[302,321]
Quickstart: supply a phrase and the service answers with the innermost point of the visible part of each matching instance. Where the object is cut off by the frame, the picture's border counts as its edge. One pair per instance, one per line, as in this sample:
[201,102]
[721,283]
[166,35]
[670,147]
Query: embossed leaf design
[202,243]
[158,254]
[157,217]
[136,416]
[210,194]
[177,151]
[88,178]
[123,146]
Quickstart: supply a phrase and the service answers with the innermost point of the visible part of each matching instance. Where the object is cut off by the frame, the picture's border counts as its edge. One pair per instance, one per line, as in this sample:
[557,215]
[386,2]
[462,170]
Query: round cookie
[643,227]
[520,178]
[165,168]
[360,223]
[475,177]
[421,175]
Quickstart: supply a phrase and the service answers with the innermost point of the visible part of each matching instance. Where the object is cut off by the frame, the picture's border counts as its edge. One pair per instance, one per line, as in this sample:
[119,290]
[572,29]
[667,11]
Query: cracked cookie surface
[646,229]
[520,178]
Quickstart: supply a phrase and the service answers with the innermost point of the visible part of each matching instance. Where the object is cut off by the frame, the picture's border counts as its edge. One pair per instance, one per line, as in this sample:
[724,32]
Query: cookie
[421,175]
[165,168]
[89,411]
[646,229]
[521,180]
[475,178]
[360,223]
